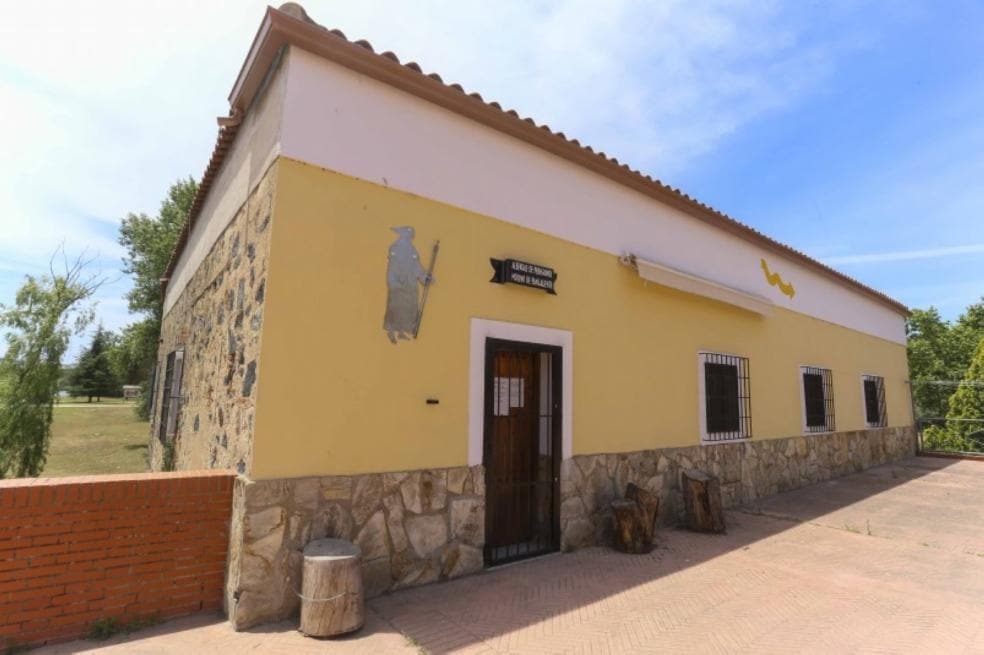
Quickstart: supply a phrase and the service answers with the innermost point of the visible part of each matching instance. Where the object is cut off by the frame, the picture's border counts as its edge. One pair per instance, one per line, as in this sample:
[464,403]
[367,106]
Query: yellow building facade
[635,343]
[416,321]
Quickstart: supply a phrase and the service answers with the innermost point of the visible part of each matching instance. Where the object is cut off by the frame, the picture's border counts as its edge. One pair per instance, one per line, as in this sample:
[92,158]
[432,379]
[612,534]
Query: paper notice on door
[506,394]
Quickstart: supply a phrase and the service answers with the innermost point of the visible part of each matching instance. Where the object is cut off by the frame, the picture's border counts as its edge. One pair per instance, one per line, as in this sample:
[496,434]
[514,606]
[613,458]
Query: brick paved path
[205,634]
[890,560]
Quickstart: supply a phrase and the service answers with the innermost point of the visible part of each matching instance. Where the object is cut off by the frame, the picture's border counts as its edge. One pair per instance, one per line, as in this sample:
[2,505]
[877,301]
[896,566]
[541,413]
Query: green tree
[93,375]
[130,350]
[149,243]
[932,355]
[964,429]
[968,331]
[63,380]
[46,312]
[939,355]
[966,415]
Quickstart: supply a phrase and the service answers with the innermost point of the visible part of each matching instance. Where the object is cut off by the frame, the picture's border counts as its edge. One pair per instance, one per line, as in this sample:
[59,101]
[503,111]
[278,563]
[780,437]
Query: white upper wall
[255,147]
[347,122]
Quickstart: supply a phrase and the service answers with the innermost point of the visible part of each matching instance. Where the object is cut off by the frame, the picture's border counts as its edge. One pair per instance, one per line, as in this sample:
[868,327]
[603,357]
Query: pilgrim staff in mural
[404,306]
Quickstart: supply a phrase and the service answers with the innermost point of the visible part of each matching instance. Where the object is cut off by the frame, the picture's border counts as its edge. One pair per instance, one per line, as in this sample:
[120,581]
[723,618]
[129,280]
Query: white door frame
[482,329]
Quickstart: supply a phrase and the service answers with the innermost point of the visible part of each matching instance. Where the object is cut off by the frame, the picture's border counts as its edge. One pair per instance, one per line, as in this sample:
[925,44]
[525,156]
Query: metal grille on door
[522,450]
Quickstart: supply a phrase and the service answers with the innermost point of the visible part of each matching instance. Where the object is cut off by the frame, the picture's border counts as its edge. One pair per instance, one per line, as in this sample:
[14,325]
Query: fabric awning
[674,279]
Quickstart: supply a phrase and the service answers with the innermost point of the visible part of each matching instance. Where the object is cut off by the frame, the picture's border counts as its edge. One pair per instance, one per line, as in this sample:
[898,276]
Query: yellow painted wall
[336,397]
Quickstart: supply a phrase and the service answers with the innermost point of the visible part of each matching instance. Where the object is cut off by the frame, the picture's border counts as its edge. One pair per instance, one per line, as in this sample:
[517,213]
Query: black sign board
[524,273]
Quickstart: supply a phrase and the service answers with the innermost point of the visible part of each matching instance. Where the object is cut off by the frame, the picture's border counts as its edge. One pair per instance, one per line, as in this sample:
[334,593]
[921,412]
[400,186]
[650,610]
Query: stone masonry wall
[423,526]
[747,471]
[218,320]
[413,528]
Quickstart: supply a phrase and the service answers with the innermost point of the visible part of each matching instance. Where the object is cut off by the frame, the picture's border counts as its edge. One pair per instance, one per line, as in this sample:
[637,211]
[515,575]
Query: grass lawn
[98,439]
[83,400]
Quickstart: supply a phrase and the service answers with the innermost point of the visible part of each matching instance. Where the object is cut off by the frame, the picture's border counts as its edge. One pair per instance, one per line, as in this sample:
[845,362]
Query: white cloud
[111,103]
[105,104]
[104,107]
[904,255]
[654,84]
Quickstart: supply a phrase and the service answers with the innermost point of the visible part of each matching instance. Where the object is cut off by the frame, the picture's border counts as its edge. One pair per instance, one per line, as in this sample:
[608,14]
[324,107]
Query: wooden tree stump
[648,508]
[635,519]
[331,592]
[702,501]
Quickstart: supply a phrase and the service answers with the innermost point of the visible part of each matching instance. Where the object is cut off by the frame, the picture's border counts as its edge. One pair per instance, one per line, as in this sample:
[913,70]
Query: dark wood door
[522,449]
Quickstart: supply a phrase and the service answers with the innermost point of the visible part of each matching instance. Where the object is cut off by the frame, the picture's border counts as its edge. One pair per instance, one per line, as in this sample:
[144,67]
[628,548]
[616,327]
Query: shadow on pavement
[489,607]
[589,594]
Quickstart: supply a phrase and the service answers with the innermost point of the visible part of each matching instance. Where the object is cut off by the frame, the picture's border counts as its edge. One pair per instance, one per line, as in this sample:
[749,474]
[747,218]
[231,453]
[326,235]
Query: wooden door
[522,449]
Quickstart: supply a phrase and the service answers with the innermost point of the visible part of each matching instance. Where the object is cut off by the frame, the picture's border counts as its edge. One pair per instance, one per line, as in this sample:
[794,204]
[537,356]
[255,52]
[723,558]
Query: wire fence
[951,435]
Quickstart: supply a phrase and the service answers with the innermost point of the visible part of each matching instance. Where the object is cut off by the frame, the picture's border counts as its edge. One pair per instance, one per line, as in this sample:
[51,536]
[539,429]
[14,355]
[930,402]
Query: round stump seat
[331,590]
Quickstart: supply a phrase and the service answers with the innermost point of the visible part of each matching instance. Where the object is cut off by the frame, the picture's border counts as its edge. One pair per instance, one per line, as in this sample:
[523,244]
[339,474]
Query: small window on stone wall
[818,399]
[170,396]
[875,415]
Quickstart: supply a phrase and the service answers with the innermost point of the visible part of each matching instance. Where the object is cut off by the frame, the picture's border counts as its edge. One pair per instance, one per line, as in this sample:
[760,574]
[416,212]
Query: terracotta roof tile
[226,137]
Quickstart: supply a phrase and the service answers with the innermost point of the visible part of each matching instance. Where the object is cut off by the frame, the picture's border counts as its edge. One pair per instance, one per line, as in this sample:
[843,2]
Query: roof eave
[279,29]
[259,57]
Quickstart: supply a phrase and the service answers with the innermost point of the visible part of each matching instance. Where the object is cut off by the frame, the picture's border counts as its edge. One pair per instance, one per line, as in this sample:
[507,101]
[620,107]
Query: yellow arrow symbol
[776,281]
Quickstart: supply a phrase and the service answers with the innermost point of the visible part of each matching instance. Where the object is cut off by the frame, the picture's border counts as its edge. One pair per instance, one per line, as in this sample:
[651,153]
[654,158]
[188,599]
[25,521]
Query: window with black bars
[818,398]
[170,395]
[875,415]
[727,397]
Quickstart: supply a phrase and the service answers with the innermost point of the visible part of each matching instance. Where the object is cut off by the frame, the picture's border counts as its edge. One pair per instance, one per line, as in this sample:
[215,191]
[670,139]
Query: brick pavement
[204,634]
[890,560]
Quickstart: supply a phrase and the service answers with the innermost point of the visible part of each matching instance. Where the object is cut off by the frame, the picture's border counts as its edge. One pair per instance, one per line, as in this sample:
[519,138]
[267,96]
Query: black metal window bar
[875,414]
[152,388]
[171,395]
[818,397]
[727,397]
[522,450]
[166,398]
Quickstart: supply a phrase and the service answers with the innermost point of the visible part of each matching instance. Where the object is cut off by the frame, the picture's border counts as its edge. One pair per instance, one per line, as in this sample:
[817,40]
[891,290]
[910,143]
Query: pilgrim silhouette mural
[404,272]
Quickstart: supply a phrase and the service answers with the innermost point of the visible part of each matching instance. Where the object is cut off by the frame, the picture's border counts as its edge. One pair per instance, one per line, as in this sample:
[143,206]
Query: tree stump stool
[635,520]
[331,591]
[702,501]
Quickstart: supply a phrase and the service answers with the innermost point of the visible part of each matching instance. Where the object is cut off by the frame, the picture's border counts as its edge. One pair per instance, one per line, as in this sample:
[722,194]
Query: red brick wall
[126,547]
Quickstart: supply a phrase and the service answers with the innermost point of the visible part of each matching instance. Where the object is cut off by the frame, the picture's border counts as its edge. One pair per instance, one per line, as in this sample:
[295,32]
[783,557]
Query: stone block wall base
[422,526]
[413,528]
[747,470]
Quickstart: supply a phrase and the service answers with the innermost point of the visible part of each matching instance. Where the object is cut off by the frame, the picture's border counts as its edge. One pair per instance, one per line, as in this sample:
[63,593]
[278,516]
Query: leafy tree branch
[47,310]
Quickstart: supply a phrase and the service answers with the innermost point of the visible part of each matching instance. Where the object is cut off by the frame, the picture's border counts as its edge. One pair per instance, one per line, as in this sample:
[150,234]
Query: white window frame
[482,329]
[880,379]
[705,436]
[807,430]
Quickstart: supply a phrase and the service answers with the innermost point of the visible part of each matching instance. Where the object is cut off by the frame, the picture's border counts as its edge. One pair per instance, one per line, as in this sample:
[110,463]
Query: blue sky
[853,131]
